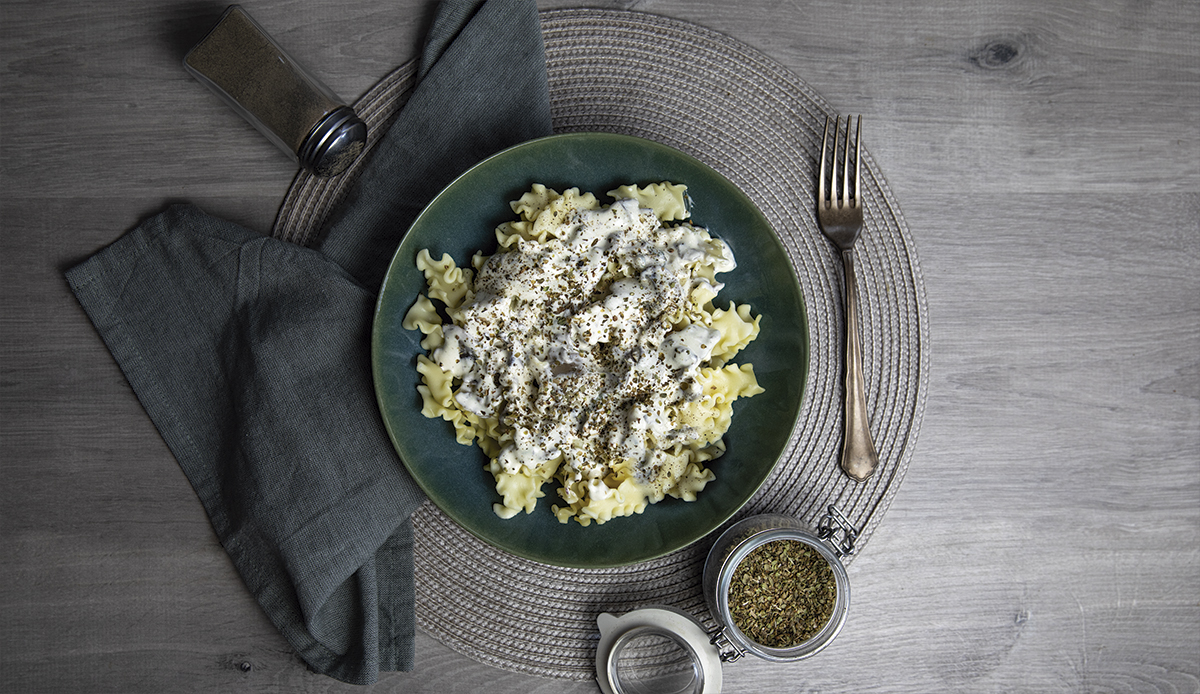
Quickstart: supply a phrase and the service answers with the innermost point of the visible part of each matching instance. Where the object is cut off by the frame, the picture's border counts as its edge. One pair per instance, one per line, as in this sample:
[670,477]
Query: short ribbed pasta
[611,334]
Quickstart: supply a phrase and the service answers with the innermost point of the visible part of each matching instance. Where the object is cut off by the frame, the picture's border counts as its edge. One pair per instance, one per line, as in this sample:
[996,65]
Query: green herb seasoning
[782,594]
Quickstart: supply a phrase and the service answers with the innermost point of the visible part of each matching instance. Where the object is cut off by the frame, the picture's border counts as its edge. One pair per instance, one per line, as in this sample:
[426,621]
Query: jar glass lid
[684,659]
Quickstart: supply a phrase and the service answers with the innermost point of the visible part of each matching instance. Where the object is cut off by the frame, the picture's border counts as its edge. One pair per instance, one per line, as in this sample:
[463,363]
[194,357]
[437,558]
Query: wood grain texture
[1046,154]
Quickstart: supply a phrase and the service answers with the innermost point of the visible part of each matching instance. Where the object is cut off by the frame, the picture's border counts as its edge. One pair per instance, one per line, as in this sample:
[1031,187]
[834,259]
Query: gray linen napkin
[251,355]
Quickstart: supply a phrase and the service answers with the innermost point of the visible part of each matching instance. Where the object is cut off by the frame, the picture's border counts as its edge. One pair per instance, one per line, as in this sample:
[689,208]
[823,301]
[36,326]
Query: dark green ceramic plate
[462,219]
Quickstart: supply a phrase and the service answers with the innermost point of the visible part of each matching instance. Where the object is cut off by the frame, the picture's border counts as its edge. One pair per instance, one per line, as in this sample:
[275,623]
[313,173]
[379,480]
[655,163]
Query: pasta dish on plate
[587,350]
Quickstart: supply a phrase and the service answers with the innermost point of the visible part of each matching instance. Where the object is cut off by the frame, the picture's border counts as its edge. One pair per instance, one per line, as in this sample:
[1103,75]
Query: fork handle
[859,458]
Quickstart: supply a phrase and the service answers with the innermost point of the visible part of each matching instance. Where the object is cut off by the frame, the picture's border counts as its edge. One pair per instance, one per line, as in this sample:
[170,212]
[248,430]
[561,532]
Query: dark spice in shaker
[782,594]
[259,80]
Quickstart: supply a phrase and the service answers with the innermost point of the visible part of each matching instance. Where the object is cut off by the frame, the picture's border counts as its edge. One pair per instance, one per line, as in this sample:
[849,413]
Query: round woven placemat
[751,119]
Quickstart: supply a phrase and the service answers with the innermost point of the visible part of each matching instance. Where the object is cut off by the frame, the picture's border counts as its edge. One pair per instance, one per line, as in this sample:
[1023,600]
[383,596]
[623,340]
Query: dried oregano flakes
[782,594]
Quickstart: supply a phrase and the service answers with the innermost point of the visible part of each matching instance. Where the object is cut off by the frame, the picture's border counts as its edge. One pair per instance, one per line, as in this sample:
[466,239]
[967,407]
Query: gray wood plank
[1047,158]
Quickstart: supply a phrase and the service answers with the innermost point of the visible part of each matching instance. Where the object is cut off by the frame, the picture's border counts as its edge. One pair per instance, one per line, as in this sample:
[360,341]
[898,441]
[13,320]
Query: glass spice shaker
[257,78]
[617,674]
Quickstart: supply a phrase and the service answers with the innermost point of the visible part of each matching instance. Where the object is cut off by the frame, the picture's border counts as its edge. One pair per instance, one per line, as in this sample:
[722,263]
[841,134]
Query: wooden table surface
[1046,154]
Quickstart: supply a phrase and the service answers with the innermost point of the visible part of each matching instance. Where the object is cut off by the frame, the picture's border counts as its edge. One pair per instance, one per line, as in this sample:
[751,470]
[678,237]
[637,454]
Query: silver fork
[841,220]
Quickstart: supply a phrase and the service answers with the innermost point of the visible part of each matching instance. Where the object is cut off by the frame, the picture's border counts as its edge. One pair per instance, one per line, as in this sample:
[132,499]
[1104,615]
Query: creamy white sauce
[578,365]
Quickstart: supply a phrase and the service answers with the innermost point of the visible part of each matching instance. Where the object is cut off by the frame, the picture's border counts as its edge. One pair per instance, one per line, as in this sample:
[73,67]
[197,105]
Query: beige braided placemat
[755,122]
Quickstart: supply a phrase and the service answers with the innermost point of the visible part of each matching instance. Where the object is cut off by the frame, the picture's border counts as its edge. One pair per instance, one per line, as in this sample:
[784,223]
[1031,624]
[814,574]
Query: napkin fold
[252,355]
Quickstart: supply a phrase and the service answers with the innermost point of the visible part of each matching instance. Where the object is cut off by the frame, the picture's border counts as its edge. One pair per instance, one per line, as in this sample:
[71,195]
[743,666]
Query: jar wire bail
[836,529]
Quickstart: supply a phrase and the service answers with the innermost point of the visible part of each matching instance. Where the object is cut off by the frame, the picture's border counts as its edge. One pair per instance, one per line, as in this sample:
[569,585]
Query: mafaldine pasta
[587,350]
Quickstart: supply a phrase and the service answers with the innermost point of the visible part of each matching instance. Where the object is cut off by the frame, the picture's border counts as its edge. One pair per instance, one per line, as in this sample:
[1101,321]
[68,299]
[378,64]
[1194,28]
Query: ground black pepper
[240,62]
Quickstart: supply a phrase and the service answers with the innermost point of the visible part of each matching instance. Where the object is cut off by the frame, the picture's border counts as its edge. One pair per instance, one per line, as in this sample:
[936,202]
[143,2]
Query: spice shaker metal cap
[259,80]
[334,144]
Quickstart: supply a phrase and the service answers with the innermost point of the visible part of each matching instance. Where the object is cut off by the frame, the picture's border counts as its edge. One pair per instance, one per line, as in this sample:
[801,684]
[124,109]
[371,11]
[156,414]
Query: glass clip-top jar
[776,590]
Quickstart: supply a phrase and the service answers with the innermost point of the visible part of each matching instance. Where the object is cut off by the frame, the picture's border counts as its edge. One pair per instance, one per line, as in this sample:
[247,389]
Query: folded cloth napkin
[251,355]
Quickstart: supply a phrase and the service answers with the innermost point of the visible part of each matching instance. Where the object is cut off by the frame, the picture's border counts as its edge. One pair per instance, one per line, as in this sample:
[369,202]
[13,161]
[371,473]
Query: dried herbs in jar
[782,594]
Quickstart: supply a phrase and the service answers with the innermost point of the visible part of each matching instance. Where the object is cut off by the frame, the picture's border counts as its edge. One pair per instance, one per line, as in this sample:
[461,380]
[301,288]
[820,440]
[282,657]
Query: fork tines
[830,149]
